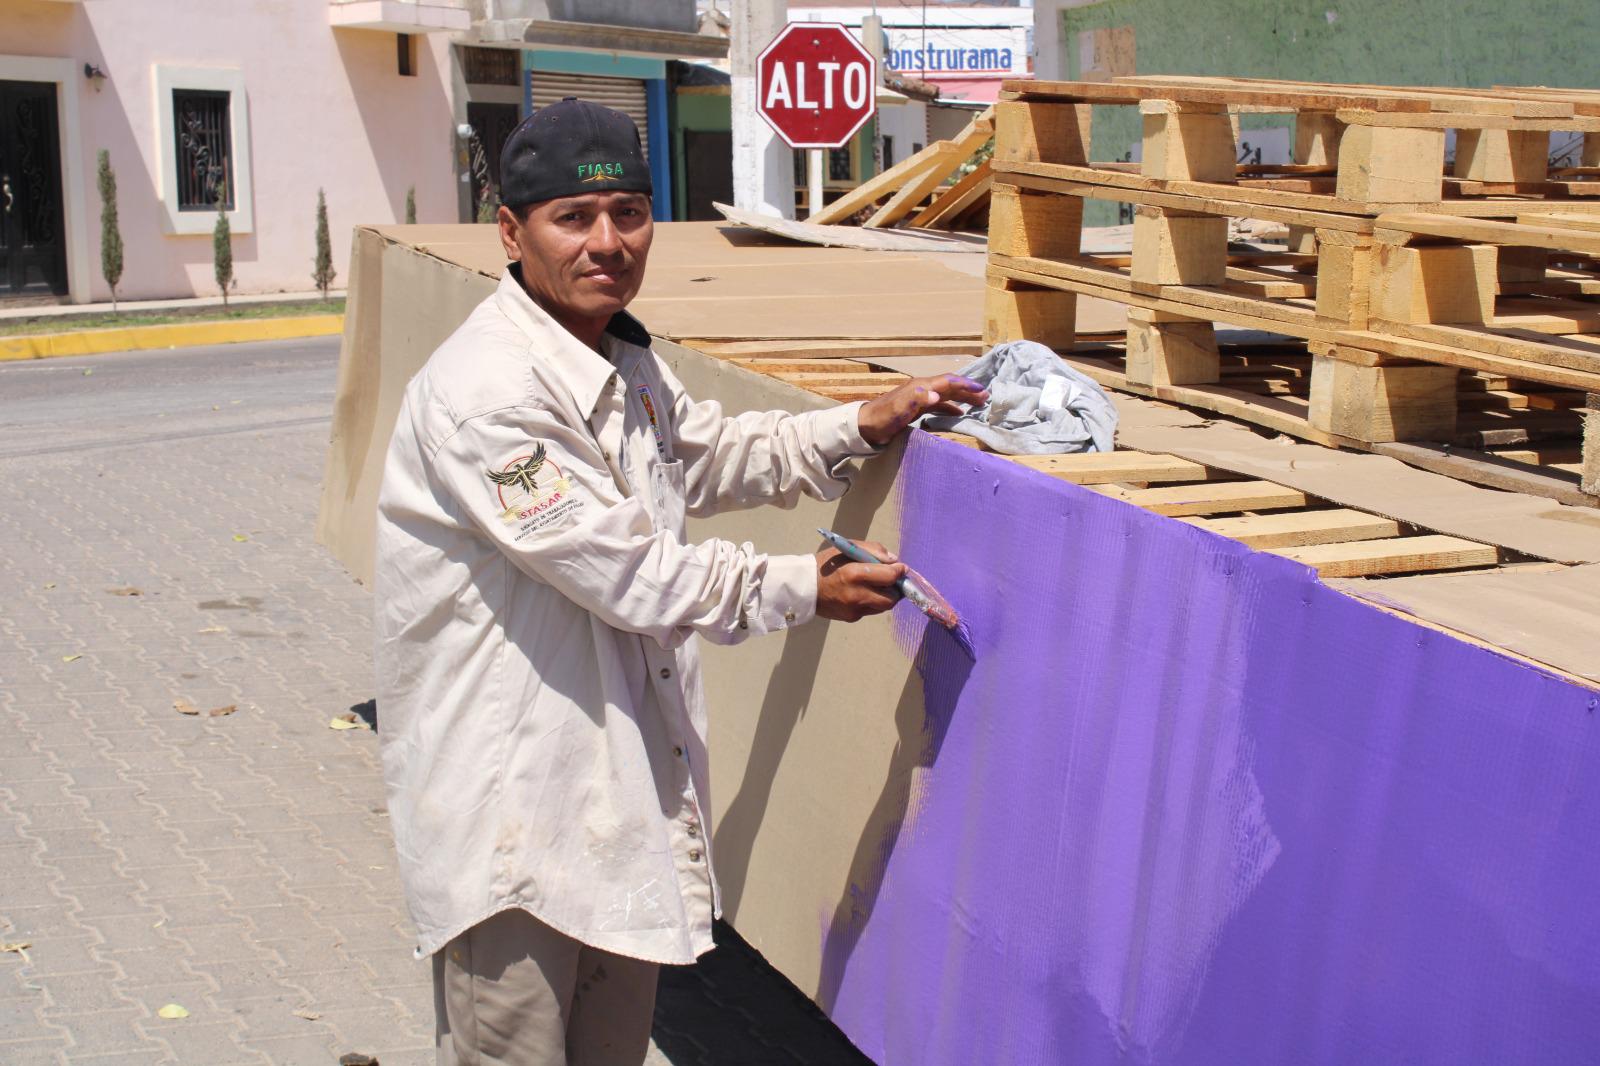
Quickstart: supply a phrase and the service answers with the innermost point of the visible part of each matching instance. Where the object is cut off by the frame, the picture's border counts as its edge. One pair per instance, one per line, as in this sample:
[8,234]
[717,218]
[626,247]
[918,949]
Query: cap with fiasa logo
[570,148]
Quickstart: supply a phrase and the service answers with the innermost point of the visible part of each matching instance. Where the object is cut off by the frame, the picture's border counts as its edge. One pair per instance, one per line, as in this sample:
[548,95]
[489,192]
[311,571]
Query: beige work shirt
[541,717]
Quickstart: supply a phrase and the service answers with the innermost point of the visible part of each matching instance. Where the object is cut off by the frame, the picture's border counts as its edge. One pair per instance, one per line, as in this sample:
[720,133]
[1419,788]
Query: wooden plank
[1399,555]
[835,349]
[1207,498]
[1487,469]
[1099,468]
[803,366]
[1312,98]
[1445,99]
[807,380]
[959,196]
[1046,177]
[1299,528]
[1400,227]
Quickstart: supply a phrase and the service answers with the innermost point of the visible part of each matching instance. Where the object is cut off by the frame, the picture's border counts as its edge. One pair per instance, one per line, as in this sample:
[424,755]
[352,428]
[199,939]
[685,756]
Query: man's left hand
[883,417]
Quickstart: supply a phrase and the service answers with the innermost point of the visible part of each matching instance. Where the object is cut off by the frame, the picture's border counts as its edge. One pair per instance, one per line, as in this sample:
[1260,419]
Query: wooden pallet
[1396,275]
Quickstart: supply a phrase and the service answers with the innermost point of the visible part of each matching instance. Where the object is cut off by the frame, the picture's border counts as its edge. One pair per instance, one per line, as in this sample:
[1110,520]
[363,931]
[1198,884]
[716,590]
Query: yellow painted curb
[172,335]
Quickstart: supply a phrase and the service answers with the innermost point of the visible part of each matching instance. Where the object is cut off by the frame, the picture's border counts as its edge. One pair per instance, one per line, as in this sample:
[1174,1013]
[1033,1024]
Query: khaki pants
[511,991]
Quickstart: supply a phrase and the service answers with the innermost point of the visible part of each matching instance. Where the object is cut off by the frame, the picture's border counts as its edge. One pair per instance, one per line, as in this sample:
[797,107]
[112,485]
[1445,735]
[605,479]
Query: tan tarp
[1551,616]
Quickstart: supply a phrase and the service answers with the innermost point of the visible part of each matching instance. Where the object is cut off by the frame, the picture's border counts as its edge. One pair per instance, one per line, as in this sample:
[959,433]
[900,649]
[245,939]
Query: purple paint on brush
[1186,805]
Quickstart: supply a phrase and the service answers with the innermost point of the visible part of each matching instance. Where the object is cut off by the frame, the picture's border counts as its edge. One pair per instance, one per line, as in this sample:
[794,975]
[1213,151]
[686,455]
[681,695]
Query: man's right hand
[848,591]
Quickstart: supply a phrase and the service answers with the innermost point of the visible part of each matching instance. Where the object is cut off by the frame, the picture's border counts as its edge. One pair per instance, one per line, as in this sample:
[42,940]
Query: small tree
[110,235]
[322,268]
[222,244]
[411,206]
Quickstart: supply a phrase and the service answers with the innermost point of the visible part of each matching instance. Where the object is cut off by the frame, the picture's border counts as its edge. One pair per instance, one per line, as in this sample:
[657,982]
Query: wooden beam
[1299,528]
[1206,498]
[1383,403]
[1099,468]
[1400,227]
[975,183]
[1401,555]
[1391,165]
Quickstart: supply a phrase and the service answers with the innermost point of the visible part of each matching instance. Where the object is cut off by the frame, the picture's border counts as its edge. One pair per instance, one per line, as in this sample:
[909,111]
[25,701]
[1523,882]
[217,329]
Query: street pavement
[156,512]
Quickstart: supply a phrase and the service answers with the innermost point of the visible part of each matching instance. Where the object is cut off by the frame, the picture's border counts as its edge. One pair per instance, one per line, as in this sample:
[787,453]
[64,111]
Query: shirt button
[665,673]
[692,829]
[788,616]
[677,752]
[694,856]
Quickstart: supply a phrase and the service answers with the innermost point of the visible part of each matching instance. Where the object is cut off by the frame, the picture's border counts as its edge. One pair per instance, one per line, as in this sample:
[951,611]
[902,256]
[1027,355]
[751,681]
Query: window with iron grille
[204,143]
[491,66]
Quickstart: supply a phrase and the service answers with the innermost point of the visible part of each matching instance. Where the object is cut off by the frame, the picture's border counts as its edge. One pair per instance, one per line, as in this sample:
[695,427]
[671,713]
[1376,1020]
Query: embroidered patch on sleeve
[533,492]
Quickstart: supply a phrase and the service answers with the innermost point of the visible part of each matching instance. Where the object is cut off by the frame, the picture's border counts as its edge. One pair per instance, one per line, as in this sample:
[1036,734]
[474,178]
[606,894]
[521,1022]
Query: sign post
[815,85]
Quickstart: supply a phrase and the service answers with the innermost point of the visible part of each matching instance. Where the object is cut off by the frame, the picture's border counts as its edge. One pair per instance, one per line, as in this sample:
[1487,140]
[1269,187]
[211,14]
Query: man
[536,598]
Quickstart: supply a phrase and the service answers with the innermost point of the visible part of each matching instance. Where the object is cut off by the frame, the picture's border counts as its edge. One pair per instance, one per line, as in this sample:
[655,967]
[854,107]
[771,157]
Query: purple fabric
[1190,806]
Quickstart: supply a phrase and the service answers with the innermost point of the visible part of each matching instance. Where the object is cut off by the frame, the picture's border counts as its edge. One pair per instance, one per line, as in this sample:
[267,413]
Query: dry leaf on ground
[214,629]
[308,1015]
[347,721]
[172,1010]
[219,712]
[127,591]
[240,537]
[70,658]
[185,707]
[19,947]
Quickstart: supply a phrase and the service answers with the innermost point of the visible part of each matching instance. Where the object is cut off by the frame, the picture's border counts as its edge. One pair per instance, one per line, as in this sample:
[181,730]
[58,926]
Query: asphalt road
[156,511]
[52,405]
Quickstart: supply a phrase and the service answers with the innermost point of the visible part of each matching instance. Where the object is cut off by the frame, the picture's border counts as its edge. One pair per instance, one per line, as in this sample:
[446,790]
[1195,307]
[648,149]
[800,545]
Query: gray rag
[1038,405]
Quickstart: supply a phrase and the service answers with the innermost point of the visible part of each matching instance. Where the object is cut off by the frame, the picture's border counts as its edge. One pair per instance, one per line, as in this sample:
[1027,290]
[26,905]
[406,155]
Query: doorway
[707,172]
[491,125]
[33,245]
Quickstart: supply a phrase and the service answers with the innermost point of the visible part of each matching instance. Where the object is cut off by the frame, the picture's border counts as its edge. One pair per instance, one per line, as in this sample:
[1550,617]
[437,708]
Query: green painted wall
[1394,42]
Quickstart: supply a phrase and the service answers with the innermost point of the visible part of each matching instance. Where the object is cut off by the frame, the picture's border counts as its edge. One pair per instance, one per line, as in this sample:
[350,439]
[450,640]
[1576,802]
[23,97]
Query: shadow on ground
[733,1009]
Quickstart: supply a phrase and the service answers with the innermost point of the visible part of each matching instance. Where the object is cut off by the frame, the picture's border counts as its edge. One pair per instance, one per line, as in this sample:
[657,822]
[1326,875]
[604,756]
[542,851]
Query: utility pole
[872,38]
[763,166]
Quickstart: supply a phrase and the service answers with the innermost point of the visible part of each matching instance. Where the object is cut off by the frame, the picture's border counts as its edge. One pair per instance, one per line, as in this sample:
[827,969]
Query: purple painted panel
[1190,806]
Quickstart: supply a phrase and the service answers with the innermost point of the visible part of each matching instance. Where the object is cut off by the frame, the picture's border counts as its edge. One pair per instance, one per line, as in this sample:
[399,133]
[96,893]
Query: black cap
[570,148]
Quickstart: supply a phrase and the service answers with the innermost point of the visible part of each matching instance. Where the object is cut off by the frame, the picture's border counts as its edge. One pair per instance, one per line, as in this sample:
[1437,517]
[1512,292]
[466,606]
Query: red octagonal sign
[815,85]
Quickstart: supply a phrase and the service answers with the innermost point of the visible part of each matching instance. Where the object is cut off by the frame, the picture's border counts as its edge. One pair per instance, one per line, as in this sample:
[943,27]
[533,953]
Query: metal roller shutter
[623,94]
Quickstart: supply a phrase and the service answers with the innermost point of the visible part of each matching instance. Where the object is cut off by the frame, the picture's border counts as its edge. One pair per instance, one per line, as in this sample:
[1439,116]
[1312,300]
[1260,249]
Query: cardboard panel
[1188,805]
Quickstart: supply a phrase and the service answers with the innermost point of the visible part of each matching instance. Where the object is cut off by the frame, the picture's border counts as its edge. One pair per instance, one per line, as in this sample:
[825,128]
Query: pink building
[268,101]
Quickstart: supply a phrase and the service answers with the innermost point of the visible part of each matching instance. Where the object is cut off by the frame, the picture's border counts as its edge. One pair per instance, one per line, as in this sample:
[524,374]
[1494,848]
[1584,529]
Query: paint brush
[913,586]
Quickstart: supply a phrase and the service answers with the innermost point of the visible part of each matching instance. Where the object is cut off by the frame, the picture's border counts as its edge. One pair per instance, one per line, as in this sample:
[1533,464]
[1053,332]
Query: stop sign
[815,85]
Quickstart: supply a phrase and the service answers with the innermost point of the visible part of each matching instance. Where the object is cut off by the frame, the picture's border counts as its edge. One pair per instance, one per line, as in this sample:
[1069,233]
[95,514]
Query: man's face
[582,256]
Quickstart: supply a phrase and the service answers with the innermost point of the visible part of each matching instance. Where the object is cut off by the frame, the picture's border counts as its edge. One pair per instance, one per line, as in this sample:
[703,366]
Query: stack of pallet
[1415,302]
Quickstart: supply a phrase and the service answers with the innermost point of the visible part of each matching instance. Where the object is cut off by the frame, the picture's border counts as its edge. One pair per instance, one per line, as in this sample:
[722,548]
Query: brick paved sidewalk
[239,866]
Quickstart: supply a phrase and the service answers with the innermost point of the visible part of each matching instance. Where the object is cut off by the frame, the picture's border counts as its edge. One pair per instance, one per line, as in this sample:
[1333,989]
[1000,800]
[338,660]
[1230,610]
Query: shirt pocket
[666,491]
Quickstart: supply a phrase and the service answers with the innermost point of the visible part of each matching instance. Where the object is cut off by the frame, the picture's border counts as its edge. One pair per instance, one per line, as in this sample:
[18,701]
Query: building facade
[258,106]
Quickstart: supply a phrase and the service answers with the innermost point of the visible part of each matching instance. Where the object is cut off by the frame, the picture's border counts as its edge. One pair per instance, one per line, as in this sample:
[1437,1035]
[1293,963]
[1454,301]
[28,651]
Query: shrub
[110,234]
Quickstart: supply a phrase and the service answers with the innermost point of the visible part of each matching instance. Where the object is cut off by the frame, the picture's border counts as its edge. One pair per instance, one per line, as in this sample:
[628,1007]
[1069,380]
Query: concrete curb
[172,335]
